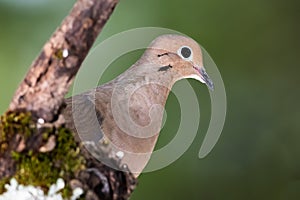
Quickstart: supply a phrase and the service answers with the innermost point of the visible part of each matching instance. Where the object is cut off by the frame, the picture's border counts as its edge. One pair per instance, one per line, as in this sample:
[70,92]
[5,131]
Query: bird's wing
[83,118]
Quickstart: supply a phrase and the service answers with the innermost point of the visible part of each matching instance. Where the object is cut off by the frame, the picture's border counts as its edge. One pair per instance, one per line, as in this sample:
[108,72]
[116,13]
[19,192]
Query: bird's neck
[146,84]
[144,95]
[138,97]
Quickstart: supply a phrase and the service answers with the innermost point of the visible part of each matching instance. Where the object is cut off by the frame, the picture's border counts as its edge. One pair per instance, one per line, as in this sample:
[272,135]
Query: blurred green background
[256,47]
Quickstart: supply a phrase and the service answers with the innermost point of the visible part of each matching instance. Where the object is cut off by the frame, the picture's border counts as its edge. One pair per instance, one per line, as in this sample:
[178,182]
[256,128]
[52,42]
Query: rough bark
[50,76]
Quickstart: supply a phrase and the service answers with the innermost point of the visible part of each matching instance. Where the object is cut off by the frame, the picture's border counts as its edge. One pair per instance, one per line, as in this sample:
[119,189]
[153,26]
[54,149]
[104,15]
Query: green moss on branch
[56,156]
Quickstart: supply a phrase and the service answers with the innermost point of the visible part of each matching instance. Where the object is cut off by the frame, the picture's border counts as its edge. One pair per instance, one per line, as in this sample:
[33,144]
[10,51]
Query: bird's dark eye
[185,52]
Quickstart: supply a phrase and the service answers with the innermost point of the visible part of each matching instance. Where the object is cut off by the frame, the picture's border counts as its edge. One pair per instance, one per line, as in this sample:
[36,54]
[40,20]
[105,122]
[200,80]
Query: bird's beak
[204,78]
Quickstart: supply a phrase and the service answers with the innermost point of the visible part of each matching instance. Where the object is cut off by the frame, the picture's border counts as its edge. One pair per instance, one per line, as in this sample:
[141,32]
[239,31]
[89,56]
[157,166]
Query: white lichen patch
[65,53]
[14,191]
[120,154]
[41,121]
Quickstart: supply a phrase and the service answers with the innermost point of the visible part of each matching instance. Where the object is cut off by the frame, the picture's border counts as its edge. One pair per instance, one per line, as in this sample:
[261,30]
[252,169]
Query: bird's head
[179,57]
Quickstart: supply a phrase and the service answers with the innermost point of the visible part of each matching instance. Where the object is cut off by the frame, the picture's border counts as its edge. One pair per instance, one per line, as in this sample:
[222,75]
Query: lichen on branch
[38,166]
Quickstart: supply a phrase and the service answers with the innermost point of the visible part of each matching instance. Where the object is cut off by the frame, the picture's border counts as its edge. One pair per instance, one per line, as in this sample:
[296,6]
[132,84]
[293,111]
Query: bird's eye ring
[185,52]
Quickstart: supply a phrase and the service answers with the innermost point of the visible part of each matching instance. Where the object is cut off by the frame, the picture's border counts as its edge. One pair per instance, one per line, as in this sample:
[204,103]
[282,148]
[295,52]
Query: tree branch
[50,76]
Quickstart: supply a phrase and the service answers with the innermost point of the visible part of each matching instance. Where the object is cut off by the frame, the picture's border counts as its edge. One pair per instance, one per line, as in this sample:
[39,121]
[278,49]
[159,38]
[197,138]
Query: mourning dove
[127,112]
